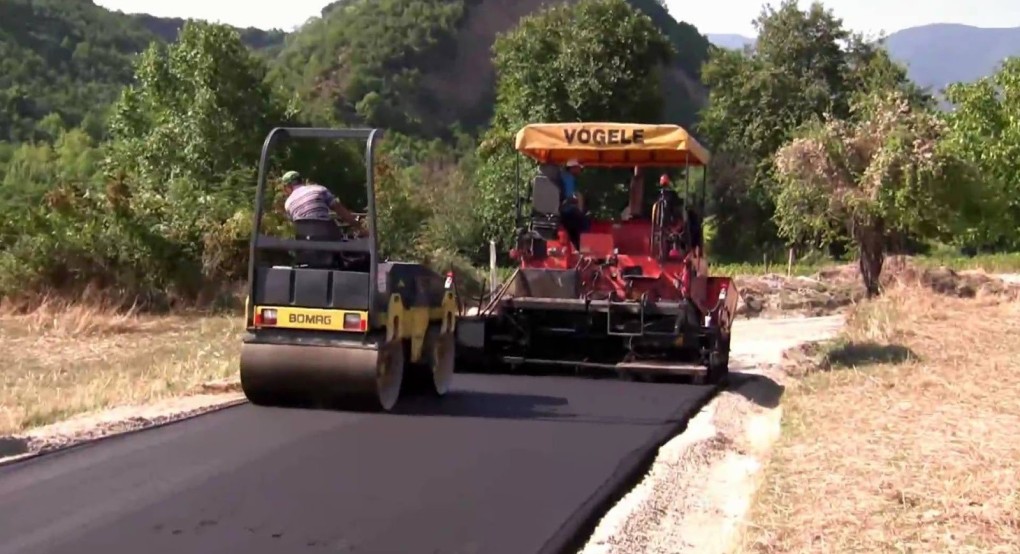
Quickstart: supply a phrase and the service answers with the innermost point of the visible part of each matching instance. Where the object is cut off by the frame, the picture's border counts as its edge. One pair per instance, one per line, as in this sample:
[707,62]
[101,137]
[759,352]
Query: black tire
[719,363]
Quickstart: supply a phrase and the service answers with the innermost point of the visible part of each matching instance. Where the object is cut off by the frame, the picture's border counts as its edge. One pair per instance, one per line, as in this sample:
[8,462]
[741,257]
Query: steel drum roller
[360,376]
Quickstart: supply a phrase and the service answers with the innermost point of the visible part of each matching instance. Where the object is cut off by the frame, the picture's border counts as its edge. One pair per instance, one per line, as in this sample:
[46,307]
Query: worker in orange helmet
[688,217]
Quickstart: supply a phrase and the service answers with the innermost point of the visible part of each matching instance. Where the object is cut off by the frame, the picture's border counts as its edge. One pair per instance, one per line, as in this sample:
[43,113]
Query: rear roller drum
[357,376]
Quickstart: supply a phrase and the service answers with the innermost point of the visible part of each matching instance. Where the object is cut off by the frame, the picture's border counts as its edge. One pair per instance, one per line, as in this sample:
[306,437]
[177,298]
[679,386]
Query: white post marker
[492,267]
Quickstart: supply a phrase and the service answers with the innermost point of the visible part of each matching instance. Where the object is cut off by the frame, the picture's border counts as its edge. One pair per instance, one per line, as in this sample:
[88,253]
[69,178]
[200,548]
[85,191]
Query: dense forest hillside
[71,58]
[422,66]
[61,56]
[419,66]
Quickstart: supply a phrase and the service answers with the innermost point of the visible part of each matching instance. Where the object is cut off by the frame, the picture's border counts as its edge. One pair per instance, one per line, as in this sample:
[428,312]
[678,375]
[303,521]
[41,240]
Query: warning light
[265,317]
[354,322]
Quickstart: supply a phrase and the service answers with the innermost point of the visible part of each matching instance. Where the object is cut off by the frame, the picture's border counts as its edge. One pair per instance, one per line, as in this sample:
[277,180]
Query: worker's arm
[340,210]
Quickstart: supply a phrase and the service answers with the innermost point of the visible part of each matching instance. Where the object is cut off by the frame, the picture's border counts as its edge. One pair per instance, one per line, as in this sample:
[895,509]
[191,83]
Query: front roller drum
[433,376]
[361,377]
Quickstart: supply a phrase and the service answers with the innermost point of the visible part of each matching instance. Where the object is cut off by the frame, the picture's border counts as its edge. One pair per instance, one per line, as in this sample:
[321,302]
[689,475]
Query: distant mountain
[935,55]
[399,64]
[167,28]
[731,41]
[940,54]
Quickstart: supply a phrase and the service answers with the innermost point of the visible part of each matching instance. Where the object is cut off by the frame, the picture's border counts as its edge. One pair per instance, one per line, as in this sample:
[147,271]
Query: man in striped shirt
[310,201]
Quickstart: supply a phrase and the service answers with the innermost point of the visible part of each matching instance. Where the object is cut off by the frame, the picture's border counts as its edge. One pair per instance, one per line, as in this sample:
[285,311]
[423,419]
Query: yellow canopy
[611,144]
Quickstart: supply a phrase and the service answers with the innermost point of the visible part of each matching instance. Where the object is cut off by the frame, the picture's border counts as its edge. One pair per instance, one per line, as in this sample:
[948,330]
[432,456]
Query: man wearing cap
[310,201]
[572,209]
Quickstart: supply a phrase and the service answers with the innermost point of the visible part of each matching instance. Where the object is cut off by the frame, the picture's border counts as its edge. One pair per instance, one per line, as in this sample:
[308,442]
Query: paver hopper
[337,327]
[633,296]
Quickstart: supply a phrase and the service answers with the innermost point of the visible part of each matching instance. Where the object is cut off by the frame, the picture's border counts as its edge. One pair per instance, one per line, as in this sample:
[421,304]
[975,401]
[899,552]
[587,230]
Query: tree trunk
[871,242]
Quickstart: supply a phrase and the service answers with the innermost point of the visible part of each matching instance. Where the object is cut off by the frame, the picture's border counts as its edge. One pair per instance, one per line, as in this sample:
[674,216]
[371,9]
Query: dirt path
[1011,278]
[697,494]
[763,341]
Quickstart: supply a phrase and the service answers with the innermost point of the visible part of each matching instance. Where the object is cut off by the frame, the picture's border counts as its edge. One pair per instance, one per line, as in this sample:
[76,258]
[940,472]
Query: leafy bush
[425,194]
[135,215]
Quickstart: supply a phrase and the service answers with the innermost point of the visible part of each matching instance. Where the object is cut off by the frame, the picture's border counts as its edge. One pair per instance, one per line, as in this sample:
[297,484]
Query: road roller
[334,327]
[629,295]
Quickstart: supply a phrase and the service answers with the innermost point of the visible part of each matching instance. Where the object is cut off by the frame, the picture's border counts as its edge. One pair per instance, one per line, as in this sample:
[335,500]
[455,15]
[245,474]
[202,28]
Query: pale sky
[718,16]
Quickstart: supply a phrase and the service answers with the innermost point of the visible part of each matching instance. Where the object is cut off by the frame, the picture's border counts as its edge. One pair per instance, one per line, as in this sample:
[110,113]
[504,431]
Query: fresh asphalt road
[503,464]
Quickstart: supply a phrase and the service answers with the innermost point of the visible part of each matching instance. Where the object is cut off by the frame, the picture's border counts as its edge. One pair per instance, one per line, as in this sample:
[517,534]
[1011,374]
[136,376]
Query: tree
[198,110]
[883,170]
[163,208]
[72,58]
[363,62]
[185,138]
[596,60]
[805,64]
[985,129]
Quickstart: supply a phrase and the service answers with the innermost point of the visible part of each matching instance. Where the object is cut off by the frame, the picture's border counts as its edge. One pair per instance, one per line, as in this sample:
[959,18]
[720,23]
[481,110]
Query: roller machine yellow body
[337,327]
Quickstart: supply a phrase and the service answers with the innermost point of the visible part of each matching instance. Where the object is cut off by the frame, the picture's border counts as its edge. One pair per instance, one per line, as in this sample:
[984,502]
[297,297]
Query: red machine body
[632,295]
[616,257]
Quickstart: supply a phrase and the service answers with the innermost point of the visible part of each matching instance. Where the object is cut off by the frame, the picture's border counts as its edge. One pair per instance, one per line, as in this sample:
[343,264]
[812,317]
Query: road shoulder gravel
[698,492]
[89,427]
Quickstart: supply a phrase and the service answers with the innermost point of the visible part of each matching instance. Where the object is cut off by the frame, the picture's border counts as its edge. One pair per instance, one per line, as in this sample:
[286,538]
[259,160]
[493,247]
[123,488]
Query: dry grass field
[61,360]
[902,436]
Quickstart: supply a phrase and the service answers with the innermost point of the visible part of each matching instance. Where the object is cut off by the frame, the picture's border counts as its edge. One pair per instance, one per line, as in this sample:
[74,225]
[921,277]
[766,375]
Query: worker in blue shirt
[572,214]
[569,177]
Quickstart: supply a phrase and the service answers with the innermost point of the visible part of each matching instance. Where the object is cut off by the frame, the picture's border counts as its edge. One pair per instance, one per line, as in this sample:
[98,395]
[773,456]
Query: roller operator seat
[318,230]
